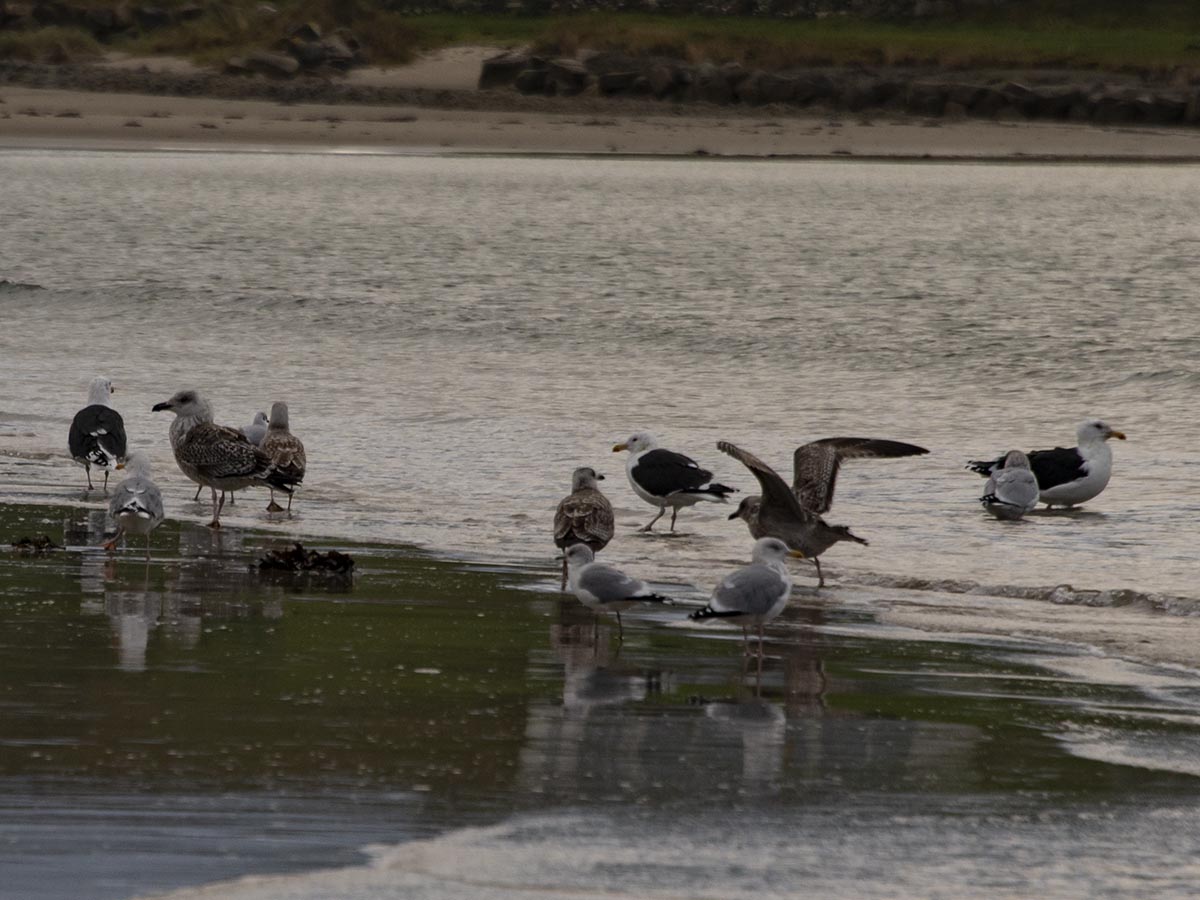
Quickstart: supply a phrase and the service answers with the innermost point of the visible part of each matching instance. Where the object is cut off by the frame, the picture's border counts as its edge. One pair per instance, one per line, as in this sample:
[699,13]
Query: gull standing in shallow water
[602,588]
[215,456]
[584,516]
[136,505]
[793,514]
[754,594]
[97,435]
[286,452]
[664,478]
[1068,476]
[1012,490]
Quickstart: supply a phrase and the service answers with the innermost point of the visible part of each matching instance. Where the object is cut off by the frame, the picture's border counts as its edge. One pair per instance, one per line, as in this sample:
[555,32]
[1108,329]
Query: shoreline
[432,107]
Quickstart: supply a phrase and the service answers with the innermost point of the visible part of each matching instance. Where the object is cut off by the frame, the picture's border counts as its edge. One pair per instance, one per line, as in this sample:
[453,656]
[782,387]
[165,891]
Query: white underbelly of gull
[602,588]
[665,479]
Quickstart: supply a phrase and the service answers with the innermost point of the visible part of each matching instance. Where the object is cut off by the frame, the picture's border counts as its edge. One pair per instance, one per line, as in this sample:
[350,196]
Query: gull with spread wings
[794,514]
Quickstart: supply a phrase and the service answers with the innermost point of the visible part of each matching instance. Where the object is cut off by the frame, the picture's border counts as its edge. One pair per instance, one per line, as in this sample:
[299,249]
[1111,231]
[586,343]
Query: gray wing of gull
[815,465]
[752,590]
[140,492]
[1014,487]
[777,497]
[608,585]
[584,517]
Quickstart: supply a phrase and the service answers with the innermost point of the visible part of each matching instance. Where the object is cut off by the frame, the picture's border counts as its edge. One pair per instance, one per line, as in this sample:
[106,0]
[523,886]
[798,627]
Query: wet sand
[36,117]
[224,723]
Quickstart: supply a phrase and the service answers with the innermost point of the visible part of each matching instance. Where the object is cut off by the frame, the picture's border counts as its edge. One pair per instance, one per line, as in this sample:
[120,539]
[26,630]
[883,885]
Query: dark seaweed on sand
[297,559]
[35,545]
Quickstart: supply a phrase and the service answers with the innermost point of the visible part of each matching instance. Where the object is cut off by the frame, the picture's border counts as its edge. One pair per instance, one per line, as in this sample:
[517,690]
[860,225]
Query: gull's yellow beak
[617,448]
[1119,435]
[798,554]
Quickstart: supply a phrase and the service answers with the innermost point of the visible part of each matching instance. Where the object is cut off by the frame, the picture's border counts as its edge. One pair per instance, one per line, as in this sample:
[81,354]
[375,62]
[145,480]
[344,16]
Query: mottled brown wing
[219,452]
[816,464]
[584,517]
[775,492]
[287,453]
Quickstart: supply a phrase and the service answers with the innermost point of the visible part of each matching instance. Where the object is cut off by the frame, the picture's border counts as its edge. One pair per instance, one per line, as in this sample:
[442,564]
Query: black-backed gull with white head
[97,435]
[1068,476]
[664,478]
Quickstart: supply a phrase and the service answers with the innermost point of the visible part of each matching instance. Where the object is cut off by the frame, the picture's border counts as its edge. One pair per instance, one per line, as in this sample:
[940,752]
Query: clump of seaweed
[40,544]
[297,559]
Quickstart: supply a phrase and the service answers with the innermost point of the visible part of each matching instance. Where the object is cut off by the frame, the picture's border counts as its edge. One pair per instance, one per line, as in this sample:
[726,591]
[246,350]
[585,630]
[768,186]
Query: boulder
[813,88]
[926,98]
[774,88]
[709,85]
[502,70]
[188,12]
[337,52]
[1158,110]
[662,79]
[1191,111]
[567,77]
[531,81]
[274,65]
[1054,103]
[305,31]
[151,17]
[989,102]
[612,83]
[1020,97]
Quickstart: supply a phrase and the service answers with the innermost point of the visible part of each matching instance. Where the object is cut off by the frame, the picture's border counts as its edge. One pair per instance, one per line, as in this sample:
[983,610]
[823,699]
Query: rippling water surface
[455,335]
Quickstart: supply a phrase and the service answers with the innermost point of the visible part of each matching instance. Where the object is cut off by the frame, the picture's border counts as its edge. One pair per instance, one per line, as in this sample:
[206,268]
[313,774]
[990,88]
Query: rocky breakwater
[1048,95]
[303,49]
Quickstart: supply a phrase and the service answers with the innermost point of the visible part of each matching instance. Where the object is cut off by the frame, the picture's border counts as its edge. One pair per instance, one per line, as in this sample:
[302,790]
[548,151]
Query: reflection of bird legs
[620,627]
[661,512]
[116,539]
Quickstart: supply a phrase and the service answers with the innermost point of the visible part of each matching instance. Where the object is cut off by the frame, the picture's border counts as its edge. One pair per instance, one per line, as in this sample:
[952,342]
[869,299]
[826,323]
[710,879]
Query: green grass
[48,45]
[1156,36]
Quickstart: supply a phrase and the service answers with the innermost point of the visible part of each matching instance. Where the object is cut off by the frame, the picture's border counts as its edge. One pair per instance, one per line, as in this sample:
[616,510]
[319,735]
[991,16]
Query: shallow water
[455,335]
[438,729]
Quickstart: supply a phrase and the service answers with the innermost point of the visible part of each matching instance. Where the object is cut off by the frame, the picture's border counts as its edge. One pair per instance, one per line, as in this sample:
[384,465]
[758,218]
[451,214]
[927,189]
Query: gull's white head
[186,404]
[1094,430]
[99,390]
[585,477]
[1015,459]
[136,463]
[579,555]
[261,420]
[638,441]
[772,550]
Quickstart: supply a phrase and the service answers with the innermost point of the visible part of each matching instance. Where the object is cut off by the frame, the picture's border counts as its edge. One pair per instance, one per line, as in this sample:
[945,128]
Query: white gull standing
[1012,490]
[1068,476]
[664,478]
[136,505]
[601,588]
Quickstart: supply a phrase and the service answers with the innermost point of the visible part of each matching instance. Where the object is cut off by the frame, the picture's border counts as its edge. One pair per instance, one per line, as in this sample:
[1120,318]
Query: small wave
[6,285]
[1062,594]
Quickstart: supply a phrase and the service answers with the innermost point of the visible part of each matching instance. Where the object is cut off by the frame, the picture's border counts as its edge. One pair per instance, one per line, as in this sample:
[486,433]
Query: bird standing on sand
[793,514]
[664,478]
[602,588]
[1068,476]
[584,516]
[1011,491]
[254,433]
[755,594]
[215,456]
[136,505]
[97,435]
[285,450]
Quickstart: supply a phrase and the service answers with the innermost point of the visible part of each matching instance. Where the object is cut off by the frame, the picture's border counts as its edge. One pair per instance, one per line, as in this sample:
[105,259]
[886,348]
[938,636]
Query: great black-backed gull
[97,435]
[602,588]
[286,452]
[755,594]
[664,478]
[584,516]
[1068,476]
[1011,490]
[136,505]
[793,515]
[215,456]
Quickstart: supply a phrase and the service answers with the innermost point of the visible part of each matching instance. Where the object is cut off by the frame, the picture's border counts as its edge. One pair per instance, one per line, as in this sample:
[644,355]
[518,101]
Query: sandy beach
[52,118]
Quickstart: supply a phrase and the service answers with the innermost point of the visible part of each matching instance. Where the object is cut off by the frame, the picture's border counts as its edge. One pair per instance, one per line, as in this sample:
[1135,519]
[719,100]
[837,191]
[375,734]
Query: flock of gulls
[785,520]
[214,456]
